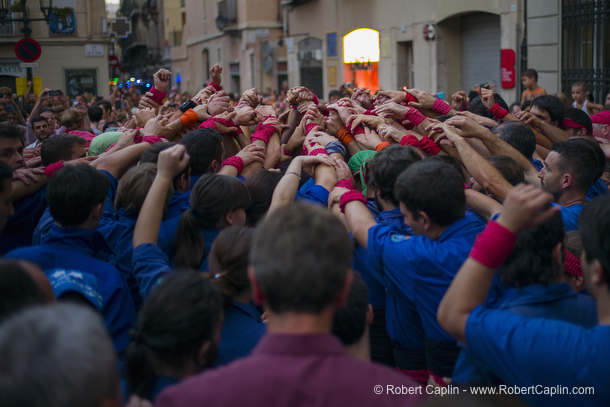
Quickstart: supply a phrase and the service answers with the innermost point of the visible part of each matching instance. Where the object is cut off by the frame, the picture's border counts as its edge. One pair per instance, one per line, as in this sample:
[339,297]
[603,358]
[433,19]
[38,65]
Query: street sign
[27,50]
[113,61]
[29,65]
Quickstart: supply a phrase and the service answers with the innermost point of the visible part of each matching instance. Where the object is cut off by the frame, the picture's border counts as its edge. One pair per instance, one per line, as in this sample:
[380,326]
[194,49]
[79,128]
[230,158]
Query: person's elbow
[452,321]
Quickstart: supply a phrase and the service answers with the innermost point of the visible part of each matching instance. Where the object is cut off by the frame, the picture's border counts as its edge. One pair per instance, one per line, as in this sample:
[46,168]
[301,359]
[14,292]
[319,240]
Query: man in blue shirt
[76,196]
[538,355]
[421,267]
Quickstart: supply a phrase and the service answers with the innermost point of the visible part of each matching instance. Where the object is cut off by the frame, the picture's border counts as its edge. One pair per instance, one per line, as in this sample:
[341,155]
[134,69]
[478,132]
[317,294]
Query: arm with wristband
[353,204]
[523,209]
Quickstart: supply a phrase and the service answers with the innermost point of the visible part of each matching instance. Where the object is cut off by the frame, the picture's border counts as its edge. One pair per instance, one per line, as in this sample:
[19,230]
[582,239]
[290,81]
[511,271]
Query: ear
[231,218]
[597,273]
[181,184]
[554,123]
[258,296]
[98,212]
[558,254]
[566,180]
[425,220]
[342,297]
[370,316]
[214,166]
[201,356]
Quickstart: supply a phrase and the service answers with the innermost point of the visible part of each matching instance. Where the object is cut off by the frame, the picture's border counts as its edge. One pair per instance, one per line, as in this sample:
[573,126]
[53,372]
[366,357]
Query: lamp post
[47,10]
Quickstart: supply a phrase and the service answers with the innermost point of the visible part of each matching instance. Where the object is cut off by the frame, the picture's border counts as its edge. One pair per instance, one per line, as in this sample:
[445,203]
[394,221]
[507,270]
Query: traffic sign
[113,61]
[27,50]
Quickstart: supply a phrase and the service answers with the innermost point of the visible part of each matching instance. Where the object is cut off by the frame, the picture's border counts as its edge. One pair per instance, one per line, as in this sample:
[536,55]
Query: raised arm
[470,286]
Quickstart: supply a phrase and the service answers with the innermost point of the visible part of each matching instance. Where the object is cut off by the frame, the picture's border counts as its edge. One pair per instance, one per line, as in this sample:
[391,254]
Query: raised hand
[215,72]
[161,79]
[172,161]
[526,206]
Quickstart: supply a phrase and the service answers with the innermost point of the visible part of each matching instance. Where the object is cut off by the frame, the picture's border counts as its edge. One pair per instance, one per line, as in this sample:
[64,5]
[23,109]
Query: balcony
[227,13]
[138,38]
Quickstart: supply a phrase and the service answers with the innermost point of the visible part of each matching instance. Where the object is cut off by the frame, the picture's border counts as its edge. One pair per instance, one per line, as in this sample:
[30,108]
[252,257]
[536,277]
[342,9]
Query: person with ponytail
[217,202]
[228,261]
[176,336]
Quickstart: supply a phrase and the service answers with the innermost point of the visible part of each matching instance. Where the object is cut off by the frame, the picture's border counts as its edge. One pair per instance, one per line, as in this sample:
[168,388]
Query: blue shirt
[536,163]
[552,301]
[20,226]
[242,328]
[526,351]
[598,188]
[570,215]
[421,269]
[150,264]
[178,204]
[87,250]
[310,192]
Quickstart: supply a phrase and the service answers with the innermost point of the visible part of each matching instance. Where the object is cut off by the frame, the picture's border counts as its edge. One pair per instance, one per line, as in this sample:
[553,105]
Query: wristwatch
[189,104]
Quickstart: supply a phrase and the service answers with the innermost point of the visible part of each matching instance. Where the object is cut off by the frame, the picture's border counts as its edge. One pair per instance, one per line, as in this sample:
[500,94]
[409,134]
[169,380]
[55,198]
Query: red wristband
[415,117]
[349,197]
[409,140]
[498,111]
[309,127]
[429,146]
[493,246]
[234,161]
[409,98]
[358,130]
[441,107]
[263,132]
[152,139]
[53,168]
[318,151]
[157,95]
[346,183]
[288,153]
[209,124]
[215,86]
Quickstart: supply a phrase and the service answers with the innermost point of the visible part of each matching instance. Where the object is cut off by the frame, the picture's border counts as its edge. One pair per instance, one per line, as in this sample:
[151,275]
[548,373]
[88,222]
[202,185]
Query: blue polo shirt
[551,301]
[242,328]
[524,351]
[417,272]
[310,192]
[178,204]
[87,250]
[570,215]
[150,264]
[536,163]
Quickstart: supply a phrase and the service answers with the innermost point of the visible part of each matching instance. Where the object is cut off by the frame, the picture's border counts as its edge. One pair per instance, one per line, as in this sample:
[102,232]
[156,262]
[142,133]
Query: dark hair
[432,187]
[452,162]
[297,269]
[531,261]
[133,187]
[508,168]
[212,199]
[59,147]
[526,104]
[9,131]
[107,105]
[228,260]
[579,158]
[477,107]
[601,156]
[18,289]
[530,73]
[580,117]
[518,135]
[73,192]
[203,146]
[6,172]
[349,324]
[151,155]
[107,125]
[334,92]
[552,105]
[261,185]
[178,317]
[594,225]
[387,165]
[39,118]
[95,114]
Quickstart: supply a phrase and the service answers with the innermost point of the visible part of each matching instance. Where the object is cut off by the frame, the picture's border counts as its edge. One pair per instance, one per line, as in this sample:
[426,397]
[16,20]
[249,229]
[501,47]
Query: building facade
[244,36]
[436,45]
[74,48]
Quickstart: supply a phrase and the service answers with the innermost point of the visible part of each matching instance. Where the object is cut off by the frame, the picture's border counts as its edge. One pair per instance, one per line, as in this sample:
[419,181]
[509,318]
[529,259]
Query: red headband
[572,124]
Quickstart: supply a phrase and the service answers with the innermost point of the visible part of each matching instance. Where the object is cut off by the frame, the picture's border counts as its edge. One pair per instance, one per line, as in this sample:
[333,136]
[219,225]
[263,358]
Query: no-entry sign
[27,50]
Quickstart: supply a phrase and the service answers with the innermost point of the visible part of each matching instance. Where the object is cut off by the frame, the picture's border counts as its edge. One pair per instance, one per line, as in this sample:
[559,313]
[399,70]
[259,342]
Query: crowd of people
[377,249]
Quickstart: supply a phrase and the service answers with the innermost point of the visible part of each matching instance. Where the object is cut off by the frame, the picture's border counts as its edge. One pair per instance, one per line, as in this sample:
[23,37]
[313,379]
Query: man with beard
[569,171]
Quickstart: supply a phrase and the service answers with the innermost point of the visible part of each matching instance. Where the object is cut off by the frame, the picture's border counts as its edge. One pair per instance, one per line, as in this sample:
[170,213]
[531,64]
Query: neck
[569,198]
[435,231]
[244,296]
[361,349]
[301,322]
[386,206]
